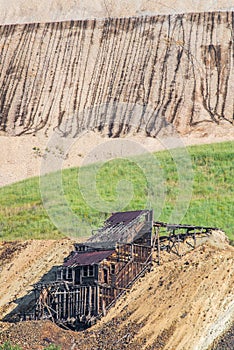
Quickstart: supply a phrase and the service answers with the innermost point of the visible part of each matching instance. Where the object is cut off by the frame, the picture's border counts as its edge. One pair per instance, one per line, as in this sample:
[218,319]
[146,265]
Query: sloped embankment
[183,304]
[25,263]
[117,74]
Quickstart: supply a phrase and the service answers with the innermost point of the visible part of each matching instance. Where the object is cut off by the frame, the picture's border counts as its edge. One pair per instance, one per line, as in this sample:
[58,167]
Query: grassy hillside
[22,215]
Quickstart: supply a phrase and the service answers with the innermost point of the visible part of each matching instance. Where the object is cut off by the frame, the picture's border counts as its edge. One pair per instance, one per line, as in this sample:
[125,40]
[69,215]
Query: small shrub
[8,346]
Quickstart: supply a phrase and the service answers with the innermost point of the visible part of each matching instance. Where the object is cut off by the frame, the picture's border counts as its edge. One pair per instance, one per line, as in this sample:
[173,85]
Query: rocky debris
[162,339]
[35,335]
[8,249]
[226,342]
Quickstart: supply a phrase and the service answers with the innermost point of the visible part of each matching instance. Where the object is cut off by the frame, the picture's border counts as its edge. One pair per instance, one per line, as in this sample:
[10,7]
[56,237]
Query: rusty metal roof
[120,227]
[124,217]
[87,258]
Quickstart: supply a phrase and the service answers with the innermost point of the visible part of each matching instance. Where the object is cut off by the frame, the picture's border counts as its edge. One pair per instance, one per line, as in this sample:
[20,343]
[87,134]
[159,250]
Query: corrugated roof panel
[117,229]
[124,217]
[88,258]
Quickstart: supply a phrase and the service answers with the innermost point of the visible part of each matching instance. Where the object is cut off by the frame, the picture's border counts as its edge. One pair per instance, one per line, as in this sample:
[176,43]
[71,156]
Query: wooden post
[90,300]
[56,305]
[98,299]
[64,304]
[85,299]
[68,304]
[158,244]
[194,237]
[82,301]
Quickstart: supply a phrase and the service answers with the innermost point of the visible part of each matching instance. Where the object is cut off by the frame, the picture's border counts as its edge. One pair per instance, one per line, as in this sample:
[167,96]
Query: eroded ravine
[117,75]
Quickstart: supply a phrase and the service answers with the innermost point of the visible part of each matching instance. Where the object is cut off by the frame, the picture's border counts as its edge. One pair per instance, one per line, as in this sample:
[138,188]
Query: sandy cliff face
[24,11]
[117,75]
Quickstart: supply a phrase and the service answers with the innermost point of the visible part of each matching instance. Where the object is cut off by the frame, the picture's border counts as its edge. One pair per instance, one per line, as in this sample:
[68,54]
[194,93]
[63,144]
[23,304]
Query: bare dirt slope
[25,263]
[183,304]
[117,75]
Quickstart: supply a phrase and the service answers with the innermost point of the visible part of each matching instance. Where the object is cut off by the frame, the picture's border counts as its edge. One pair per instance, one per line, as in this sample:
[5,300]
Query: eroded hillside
[117,75]
[183,304]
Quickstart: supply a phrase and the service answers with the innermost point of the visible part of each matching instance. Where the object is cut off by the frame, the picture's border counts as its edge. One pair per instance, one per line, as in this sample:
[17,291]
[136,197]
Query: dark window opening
[77,276]
[112,269]
[91,270]
[85,271]
[88,271]
[105,275]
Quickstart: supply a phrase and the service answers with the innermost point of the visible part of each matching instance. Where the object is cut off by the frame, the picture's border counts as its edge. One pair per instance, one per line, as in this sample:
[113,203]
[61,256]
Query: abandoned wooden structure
[95,274]
[103,268]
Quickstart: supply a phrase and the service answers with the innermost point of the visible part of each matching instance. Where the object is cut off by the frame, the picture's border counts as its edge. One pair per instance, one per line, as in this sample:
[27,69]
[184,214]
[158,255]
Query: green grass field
[23,216]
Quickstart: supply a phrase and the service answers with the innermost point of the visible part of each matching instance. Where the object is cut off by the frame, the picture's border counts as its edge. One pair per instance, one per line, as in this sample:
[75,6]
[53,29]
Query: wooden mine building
[98,271]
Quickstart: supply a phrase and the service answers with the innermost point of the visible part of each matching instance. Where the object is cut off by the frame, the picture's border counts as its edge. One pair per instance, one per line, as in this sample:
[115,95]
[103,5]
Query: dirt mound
[185,303]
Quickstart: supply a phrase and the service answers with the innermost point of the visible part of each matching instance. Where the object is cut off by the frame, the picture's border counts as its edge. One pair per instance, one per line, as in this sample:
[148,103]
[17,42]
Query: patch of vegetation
[9,346]
[23,216]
